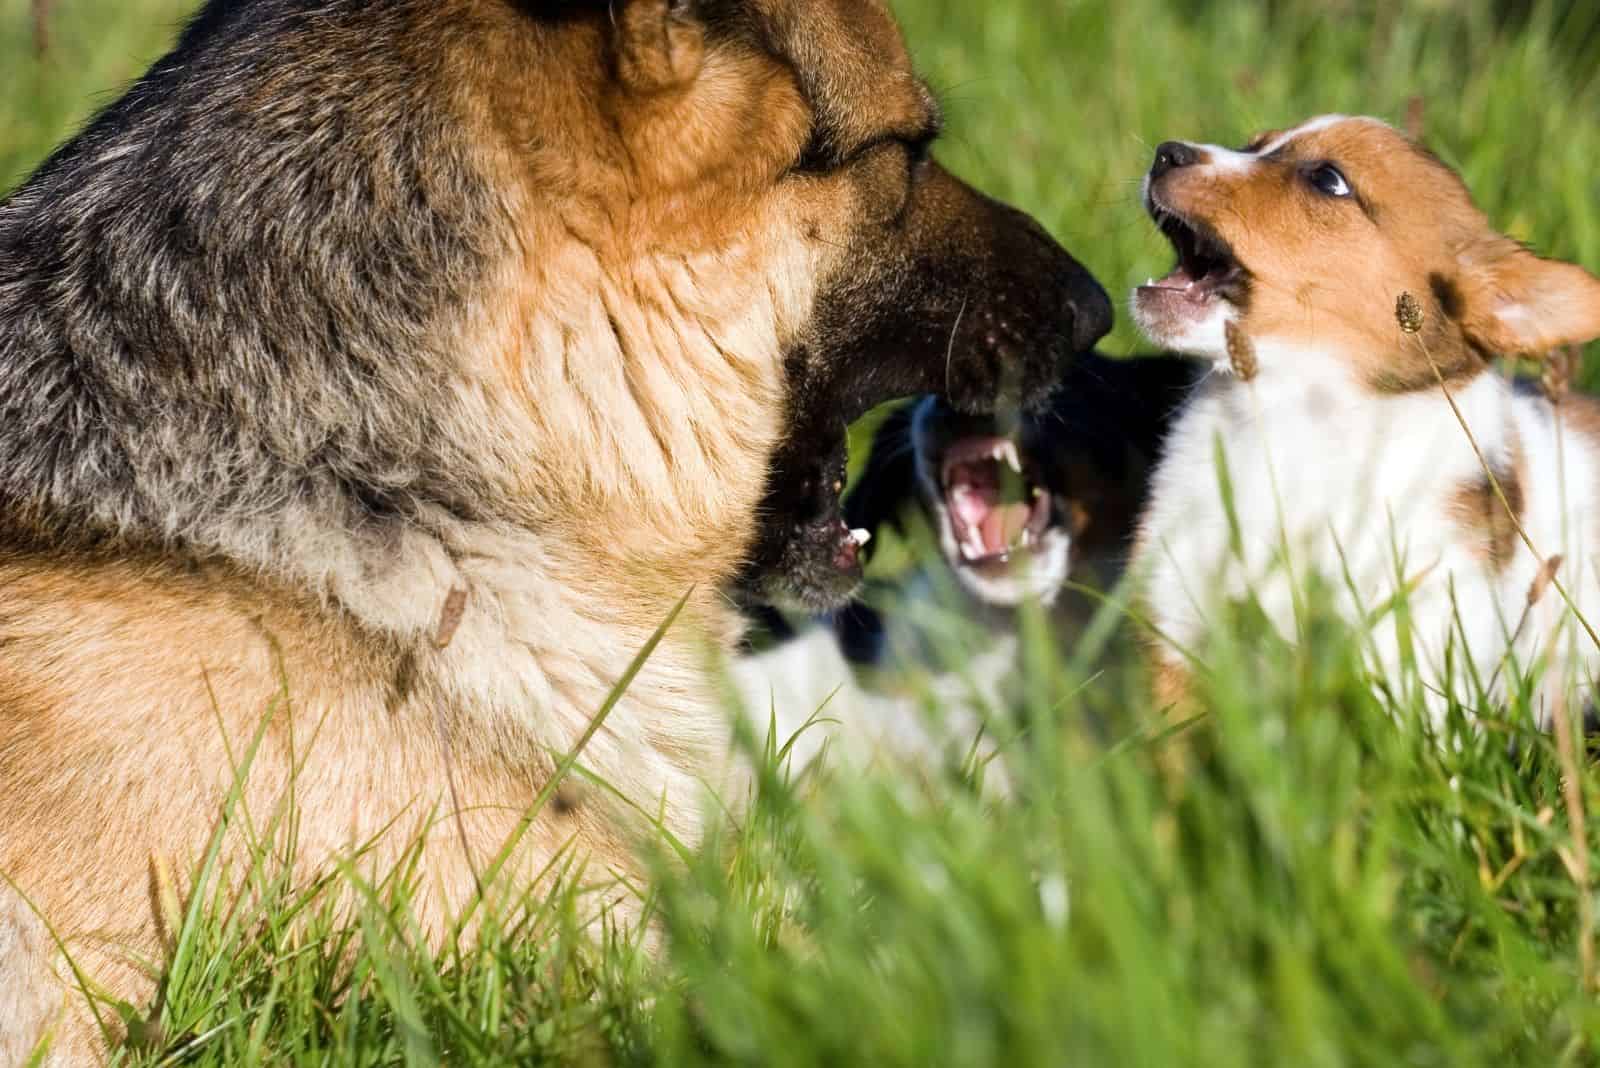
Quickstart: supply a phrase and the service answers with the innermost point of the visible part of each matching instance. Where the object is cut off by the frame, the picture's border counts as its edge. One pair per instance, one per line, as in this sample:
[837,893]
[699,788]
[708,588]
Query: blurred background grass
[1303,878]
[1056,105]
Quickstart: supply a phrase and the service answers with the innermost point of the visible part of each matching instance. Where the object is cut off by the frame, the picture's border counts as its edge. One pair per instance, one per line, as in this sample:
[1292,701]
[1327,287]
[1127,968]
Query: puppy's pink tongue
[972,503]
[1002,526]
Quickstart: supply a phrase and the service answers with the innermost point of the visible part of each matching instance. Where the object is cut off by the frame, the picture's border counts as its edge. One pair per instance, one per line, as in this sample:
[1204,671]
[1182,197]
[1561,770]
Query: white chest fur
[807,692]
[1330,484]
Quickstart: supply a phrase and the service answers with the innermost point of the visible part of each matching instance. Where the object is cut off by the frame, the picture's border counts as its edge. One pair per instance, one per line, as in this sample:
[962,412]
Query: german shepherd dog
[377,377]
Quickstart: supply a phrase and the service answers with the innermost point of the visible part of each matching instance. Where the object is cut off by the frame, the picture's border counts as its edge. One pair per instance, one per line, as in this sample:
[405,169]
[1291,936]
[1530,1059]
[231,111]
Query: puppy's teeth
[1008,452]
[860,535]
[1149,281]
[1027,537]
[1037,493]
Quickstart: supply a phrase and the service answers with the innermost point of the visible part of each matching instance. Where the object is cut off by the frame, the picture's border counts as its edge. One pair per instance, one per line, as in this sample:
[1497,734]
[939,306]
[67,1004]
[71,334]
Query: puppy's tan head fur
[1305,240]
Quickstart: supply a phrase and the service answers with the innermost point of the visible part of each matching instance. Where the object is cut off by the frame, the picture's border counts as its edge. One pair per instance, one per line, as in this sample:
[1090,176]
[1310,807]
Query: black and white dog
[1018,509]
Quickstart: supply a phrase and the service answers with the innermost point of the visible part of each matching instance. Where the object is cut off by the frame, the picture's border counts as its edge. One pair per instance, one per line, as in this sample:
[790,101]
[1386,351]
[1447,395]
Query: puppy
[1017,503]
[1351,298]
[1016,507]
[377,378]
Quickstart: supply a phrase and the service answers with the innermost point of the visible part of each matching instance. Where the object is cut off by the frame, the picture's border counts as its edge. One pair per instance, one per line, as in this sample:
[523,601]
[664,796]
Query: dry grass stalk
[168,908]
[1541,582]
[1576,859]
[1416,118]
[455,606]
[41,25]
[1408,313]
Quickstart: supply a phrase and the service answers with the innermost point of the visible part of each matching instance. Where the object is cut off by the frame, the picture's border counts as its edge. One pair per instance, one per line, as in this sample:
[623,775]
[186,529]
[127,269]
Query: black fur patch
[1446,295]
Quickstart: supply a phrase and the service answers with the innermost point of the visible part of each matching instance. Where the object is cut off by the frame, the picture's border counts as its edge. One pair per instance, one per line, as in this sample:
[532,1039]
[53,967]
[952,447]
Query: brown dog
[377,378]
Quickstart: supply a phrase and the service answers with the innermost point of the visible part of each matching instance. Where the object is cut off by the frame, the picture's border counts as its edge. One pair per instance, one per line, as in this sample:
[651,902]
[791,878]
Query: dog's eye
[1328,180]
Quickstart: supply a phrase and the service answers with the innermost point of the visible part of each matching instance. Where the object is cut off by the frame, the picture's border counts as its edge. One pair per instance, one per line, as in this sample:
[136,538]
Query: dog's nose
[1171,155]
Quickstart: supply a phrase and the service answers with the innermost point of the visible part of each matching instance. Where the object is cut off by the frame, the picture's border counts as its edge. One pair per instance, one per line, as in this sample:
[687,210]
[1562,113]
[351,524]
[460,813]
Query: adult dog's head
[419,355]
[914,282]
[608,276]
[780,149]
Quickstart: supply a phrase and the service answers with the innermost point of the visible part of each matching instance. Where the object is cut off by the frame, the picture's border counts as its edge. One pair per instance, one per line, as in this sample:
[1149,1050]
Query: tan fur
[1172,685]
[1491,521]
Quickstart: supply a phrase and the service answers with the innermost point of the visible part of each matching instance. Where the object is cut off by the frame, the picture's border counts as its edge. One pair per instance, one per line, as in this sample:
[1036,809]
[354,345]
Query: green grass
[1302,877]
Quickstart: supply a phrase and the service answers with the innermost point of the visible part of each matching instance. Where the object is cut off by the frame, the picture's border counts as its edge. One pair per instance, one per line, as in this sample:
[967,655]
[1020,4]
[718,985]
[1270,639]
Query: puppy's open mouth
[1206,268]
[995,506]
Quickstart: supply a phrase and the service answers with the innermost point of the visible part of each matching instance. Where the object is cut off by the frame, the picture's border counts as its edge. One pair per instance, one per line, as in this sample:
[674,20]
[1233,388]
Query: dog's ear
[888,482]
[660,44]
[1515,303]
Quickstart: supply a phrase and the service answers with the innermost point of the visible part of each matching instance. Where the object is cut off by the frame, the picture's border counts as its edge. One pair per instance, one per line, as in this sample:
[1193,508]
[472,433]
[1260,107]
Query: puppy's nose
[1171,155]
[1091,312]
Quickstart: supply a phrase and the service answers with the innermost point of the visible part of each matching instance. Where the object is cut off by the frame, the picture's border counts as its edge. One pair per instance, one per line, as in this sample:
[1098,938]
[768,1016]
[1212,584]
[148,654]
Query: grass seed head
[1556,375]
[1541,581]
[1241,351]
[1408,313]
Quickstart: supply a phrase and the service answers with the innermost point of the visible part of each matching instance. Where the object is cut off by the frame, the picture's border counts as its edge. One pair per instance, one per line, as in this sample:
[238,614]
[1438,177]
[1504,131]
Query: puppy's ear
[1515,303]
[659,44]
[888,482]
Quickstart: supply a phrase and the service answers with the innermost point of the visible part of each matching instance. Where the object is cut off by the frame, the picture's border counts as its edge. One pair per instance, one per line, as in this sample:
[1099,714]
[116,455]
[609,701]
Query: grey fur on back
[225,307]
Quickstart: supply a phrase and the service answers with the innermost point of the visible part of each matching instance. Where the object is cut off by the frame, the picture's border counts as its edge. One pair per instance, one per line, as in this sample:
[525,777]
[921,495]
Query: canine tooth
[972,548]
[1008,452]
[860,535]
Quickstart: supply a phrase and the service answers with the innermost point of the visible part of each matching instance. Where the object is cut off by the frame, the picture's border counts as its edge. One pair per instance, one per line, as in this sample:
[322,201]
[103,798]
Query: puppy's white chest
[1273,488]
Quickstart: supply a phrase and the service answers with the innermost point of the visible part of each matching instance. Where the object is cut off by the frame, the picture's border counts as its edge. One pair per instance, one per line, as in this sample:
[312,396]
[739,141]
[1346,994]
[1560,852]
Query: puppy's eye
[1328,180]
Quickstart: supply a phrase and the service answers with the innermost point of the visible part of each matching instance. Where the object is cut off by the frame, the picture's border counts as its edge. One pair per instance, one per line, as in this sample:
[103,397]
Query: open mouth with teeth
[1206,270]
[995,508]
